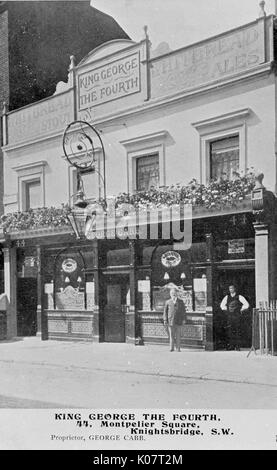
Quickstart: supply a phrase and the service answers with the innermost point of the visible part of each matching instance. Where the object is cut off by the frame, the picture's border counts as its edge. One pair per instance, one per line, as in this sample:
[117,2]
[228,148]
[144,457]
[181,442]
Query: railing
[3,325]
[264,328]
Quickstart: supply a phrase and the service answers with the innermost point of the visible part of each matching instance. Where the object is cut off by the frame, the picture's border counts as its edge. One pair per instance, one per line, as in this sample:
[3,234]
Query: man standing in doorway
[233,304]
[174,314]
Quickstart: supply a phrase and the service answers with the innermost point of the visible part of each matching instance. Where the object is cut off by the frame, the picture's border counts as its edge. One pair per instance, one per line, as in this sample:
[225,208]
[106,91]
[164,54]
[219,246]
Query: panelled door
[116,288]
[244,279]
[26,306]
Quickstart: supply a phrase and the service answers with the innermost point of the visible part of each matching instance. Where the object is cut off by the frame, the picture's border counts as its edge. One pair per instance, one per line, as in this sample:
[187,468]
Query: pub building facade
[166,119]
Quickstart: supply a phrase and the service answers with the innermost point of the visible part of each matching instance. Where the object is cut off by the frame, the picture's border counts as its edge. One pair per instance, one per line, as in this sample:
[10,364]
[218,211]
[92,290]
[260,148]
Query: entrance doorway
[26,306]
[115,298]
[244,280]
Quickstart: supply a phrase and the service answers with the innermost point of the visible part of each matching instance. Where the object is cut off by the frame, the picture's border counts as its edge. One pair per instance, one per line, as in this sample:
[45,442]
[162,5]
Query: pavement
[148,360]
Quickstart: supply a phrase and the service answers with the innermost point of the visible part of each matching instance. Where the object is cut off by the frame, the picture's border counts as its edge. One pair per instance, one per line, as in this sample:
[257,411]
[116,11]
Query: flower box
[217,198]
[39,232]
[240,206]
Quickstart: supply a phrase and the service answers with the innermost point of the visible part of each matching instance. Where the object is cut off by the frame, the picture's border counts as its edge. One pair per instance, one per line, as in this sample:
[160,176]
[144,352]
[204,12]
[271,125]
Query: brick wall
[4,59]
[4,84]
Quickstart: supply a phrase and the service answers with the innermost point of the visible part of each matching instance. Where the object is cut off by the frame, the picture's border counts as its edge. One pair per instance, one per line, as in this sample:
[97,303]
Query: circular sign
[171,259]
[69,265]
[80,140]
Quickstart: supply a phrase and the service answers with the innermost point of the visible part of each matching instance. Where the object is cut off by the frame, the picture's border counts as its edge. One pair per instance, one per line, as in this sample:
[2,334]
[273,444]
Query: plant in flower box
[35,218]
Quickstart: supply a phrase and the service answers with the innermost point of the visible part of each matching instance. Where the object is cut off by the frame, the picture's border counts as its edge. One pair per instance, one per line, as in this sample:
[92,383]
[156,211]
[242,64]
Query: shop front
[114,290]
[222,253]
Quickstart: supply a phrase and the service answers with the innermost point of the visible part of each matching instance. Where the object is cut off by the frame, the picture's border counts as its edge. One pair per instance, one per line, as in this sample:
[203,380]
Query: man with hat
[174,315]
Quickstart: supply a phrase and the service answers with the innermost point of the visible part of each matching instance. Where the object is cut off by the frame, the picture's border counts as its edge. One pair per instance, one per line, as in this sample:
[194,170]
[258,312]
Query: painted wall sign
[30,261]
[228,54]
[42,118]
[109,82]
[49,288]
[69,265]
[236,247]
[144,286]
[171,259]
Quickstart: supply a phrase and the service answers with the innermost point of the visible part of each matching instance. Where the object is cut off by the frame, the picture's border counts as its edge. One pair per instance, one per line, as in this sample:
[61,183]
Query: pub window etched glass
[69,281]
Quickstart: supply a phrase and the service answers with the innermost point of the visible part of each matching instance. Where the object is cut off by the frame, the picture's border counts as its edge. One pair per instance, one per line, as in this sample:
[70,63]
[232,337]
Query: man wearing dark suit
[174,315]
[233,304]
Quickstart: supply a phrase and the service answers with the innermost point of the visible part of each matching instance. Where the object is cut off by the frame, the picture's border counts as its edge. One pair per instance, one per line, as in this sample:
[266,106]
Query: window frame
[87,171]
[72,177]
[26,191]
[137,162]
[27,174]
[144,146]
[231,148]
[218,128]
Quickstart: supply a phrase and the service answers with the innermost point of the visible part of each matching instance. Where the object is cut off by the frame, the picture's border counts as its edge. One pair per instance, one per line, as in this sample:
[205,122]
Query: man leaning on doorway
[233,304]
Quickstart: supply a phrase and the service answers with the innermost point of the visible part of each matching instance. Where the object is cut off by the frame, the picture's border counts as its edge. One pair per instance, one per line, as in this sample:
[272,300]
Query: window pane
[224,158]
[90,184]
[69,281]
[120,257]
[33,195]
[147,172]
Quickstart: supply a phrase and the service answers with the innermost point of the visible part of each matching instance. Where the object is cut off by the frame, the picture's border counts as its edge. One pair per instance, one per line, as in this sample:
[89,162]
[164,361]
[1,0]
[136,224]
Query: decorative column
[209,346]
[148,64]
[272,260]
[72,83]
[39,291]
[264,208]
[130,316]
[42,322]
[10,290]
[261,262]
[96,317]
[4,140]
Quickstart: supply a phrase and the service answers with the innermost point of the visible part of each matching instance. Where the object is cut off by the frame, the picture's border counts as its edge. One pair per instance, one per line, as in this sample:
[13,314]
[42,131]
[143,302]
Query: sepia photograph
[138,240]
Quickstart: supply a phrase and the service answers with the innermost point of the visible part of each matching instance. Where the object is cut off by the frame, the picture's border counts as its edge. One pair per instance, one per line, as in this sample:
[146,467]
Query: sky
[180,22]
